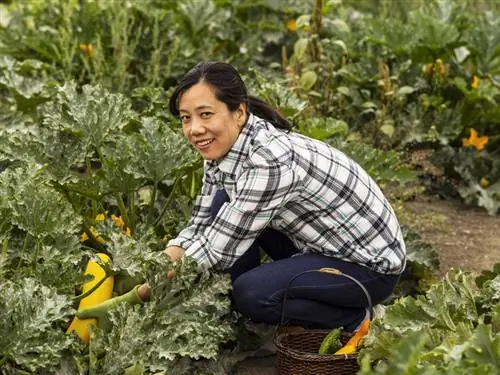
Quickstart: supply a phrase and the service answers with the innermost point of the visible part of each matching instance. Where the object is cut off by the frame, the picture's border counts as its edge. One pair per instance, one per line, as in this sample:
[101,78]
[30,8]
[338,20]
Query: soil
[464,237]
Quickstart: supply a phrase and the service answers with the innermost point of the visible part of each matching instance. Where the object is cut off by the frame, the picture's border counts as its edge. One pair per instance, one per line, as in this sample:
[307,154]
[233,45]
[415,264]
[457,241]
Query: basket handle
[331,271]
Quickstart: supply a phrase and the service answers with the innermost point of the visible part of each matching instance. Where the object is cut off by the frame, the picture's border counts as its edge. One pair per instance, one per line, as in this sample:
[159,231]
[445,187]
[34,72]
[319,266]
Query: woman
[304,203]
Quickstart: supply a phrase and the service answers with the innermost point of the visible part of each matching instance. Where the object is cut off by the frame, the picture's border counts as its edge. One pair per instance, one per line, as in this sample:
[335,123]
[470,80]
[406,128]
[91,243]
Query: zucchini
[331,342]
[101,294]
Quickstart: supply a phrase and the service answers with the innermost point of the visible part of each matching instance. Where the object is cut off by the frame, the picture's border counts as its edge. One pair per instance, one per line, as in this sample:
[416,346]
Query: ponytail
[263,110]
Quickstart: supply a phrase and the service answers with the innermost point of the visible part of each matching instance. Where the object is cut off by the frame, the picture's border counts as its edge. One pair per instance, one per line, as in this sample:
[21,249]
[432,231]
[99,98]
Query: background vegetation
[90,159]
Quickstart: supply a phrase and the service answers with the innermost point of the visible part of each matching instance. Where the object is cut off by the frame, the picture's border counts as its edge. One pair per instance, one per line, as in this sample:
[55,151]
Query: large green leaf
[37,208]
[155,153]
[186,320]
[31,320]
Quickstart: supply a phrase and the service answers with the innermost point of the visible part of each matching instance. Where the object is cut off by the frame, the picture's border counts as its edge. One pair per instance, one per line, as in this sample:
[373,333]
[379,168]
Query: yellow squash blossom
[291,25]
[87,49]
[475,141]
[428,70]
[440,68]
[99,239]
[475,82]
[121,224]
[118,221]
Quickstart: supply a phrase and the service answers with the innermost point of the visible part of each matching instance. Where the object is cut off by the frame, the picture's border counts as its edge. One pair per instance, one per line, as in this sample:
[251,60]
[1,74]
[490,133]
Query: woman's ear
[241,115]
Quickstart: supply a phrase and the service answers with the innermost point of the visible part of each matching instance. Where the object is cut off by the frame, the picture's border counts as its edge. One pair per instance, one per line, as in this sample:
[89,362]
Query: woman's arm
[261,191]
[175,253]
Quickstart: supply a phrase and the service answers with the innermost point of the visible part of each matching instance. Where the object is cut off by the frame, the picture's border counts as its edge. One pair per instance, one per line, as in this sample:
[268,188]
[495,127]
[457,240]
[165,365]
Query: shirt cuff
[181,242]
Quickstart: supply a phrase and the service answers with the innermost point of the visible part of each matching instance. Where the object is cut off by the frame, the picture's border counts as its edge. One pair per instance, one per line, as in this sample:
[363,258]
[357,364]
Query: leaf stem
[123,209]
[152,203]
[131,200]
[91,290]
[35,256]
[167,202]
[3,360]
[89,177]
[93,240]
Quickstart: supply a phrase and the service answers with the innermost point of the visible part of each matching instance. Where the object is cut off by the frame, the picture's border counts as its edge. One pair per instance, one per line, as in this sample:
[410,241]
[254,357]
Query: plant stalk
[152,203]
[123,209]
[91,290]
[167,202]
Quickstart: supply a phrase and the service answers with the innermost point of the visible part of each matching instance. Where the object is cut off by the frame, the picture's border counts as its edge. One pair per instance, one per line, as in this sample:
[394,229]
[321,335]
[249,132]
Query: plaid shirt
[320,198]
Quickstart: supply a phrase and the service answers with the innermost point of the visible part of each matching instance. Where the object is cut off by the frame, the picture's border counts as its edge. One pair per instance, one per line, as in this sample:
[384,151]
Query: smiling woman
[208,123]
[306,204]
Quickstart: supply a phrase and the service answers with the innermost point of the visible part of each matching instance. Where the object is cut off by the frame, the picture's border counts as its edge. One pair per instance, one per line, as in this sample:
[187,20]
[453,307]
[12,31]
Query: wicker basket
[297,352]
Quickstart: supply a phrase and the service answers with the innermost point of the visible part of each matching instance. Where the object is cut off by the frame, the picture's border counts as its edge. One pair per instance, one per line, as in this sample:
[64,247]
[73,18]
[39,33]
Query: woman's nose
[197,127]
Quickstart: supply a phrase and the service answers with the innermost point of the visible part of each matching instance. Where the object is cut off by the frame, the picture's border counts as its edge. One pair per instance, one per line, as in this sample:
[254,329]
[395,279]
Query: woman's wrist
[143,292]
[174,252]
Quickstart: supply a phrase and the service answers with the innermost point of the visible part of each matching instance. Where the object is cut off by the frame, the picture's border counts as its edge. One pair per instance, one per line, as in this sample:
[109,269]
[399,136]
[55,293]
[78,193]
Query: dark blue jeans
[314,300]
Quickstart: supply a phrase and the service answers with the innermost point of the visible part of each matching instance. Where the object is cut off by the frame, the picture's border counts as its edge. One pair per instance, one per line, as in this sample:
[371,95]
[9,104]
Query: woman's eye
[205,115]
[184,118]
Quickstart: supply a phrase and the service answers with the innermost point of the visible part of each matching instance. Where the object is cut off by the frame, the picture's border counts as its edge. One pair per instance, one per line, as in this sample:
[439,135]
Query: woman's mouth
[204,143]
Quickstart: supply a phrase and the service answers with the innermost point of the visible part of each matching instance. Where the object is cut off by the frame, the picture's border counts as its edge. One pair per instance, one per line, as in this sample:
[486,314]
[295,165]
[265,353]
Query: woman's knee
[251,300]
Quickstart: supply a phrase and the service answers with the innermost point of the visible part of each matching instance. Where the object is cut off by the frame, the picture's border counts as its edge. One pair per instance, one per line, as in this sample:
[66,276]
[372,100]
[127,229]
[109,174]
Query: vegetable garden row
[91,162]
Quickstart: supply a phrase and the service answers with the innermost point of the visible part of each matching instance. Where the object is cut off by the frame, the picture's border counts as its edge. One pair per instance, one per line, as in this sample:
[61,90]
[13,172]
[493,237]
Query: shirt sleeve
[261,192]
[200,215]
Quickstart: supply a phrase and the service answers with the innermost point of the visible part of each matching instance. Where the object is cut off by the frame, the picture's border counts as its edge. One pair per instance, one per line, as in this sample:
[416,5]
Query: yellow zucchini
[101,294]
[354,342]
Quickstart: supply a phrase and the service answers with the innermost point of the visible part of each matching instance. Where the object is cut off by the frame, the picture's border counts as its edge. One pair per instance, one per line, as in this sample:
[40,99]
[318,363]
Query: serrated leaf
[186,320]
[37,208]
[156,152]
[29,316]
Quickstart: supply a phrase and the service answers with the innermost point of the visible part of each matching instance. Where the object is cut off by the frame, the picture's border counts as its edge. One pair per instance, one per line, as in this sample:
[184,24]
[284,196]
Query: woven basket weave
[297,352]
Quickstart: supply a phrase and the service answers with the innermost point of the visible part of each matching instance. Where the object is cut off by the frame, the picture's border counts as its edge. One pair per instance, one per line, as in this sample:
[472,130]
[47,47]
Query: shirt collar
[239,152]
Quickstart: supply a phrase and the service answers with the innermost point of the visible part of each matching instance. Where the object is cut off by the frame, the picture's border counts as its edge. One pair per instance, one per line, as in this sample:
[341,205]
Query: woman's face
[208,123]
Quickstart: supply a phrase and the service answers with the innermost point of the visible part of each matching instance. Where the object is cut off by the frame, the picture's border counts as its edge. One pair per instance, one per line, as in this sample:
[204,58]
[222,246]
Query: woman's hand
[175,253]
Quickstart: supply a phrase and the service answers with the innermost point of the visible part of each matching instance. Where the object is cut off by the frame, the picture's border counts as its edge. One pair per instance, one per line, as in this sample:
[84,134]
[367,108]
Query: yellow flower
[291,25]
[475,82]
[99,239]
[475,141]
[428,70]
[484,183]
[440,68]
[100,217]
[87,49]
[84,237]
[118,221]
[128,232]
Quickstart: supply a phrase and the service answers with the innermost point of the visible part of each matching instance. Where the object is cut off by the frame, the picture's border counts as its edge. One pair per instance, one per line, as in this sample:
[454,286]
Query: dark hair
[229,88]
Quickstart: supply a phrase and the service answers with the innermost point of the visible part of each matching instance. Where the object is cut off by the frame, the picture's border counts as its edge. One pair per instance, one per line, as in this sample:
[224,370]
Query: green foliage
[187,318]
[404,74]
[444,330]
[385,167]
[422,264]
[33,316]
[84,87]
